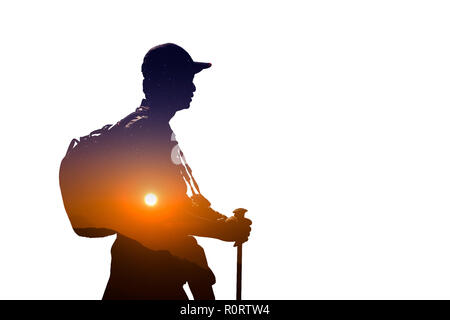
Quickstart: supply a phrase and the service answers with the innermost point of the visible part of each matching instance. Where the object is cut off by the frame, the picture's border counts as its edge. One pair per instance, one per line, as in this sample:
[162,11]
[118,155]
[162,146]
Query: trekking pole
[239,213]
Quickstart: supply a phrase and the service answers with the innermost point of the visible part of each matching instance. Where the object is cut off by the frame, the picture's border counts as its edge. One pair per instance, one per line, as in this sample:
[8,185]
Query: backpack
[79,176]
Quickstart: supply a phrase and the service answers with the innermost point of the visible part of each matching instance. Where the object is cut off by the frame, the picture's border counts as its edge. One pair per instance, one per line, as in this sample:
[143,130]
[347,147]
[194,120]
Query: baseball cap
[169,58]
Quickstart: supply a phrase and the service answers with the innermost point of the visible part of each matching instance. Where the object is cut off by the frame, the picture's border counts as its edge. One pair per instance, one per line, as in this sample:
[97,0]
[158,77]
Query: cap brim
[199,66]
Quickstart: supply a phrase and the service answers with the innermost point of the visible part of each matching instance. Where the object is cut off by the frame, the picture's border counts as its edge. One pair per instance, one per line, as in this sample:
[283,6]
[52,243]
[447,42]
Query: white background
[328,120]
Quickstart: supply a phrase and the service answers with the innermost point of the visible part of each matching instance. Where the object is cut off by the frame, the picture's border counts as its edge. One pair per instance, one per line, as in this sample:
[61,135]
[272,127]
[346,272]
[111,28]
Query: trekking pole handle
[240,213]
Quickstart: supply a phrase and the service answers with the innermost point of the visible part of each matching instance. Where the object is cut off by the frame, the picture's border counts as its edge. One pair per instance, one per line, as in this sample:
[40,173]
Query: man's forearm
[198,226]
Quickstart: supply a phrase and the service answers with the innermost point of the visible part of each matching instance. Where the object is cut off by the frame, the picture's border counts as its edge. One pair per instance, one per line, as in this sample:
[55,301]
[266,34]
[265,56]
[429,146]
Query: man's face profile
[183,91]
[175,91]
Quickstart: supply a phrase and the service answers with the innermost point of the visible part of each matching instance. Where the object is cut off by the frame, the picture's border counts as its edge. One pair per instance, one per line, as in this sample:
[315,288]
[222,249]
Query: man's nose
[193,88]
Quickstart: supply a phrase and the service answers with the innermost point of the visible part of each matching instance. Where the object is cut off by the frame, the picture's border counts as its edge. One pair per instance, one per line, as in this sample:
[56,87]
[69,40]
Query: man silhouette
[108,177]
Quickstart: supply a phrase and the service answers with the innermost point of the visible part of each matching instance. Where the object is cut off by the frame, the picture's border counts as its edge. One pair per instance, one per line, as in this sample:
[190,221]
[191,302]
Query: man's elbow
[94,232]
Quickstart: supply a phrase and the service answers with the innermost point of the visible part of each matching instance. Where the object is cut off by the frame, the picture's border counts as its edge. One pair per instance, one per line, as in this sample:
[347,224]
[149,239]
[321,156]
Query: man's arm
[201,220]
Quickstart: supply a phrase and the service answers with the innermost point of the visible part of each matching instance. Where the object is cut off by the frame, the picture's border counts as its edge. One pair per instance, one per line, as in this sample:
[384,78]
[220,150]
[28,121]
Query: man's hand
[235,229]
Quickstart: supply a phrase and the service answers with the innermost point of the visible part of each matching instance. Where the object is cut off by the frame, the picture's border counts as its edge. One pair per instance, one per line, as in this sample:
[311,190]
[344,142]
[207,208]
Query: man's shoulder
[134,120]
[109,133]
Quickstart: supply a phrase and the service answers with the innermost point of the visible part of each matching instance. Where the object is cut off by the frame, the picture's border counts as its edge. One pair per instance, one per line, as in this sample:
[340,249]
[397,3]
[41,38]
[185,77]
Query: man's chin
[185,106]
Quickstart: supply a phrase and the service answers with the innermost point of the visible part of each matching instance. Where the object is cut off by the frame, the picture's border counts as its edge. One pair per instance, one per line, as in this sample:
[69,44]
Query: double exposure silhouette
[132,179]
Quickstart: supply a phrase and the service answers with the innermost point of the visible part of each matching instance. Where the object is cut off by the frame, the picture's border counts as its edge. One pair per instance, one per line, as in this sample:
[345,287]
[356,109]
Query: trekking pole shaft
[239,273]
[239,213]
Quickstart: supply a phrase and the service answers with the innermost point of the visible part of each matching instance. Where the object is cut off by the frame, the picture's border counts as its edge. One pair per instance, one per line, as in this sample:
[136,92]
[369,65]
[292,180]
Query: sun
[150,199]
